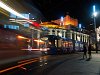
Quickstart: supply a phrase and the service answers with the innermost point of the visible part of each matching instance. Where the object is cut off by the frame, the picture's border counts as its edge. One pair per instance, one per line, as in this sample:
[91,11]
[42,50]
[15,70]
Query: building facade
[98,34]
[98,37]
[66,38]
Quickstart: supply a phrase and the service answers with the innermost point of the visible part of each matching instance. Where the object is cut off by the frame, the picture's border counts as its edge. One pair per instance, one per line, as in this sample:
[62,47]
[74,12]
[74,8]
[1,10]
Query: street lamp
[79,38]
[94,19]
[62,20]
[32,35]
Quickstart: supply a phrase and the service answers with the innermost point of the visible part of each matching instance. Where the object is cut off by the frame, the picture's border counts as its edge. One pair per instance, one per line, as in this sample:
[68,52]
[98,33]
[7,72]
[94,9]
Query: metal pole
[38,37]
[95,34]
[32,37]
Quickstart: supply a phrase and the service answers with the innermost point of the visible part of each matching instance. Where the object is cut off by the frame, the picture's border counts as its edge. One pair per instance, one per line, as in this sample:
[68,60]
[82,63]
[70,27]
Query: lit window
[26,25]
[17,27]
[5,26]
[12,15]
[11,27]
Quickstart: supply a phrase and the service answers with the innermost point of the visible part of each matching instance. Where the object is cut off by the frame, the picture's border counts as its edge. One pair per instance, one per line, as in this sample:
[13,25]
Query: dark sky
[80,9]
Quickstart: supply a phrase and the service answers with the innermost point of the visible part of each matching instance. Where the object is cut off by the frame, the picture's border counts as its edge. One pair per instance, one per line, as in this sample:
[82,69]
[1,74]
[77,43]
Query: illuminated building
[66,34]
[56,32]
[98,37]
[98,34]
[20,23]
[67,20]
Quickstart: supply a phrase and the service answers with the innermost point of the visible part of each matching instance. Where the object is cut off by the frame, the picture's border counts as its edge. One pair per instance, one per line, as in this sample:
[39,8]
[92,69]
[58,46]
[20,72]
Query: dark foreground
[70,64]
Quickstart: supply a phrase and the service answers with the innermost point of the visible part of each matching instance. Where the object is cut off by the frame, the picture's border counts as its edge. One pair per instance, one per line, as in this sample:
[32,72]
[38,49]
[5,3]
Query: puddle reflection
[43,61]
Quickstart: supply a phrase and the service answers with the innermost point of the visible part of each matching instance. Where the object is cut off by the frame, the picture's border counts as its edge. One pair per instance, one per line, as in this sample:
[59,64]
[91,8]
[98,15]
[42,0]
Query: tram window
[53,32]
[62,34]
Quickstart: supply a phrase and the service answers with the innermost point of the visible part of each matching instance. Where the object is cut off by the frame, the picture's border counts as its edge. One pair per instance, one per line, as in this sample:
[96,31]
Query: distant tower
[62,21]
[67,13]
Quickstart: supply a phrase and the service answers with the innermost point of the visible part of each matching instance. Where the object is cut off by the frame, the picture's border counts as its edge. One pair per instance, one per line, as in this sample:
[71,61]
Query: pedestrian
[29,48]
[85,51]
[89,51]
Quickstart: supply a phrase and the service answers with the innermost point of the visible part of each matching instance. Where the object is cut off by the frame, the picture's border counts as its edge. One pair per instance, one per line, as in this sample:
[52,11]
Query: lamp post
[38,37]
[94,19]
[62,21]
[32,35]
[80,29]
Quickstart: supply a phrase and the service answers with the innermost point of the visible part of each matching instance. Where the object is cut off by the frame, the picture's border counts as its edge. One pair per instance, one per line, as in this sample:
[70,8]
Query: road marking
[17,66]
[23,61]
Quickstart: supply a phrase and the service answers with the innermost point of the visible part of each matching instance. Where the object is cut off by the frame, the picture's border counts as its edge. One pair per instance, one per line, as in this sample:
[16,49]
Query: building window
[58,32]
[26,25]
[11,27]
[53,32]
[62,34]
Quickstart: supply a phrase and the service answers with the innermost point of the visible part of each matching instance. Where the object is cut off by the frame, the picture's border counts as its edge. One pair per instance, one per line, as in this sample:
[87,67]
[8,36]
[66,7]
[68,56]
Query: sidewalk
[79,66]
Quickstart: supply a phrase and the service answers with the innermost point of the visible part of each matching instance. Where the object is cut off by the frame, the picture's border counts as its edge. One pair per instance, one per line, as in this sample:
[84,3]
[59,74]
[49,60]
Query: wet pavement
[70,64]
[79,66]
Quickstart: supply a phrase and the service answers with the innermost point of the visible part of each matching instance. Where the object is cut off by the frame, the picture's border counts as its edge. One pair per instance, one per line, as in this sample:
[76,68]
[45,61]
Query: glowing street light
[62,19]
[79,37]
[94,18]
[94,11]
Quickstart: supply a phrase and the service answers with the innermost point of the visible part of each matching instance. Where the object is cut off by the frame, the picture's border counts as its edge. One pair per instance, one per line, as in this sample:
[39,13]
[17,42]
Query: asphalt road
[43,65]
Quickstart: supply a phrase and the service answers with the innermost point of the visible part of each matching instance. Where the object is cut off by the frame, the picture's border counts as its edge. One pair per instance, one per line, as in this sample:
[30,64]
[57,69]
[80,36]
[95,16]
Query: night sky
[79,9]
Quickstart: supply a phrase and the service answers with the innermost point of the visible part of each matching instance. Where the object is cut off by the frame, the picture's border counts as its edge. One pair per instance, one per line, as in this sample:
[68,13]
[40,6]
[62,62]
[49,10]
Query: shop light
[39,41]
[21,37]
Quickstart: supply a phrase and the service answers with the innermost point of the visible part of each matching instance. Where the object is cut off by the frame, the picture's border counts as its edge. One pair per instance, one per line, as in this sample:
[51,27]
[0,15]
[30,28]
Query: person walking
[85,51]
[89,51]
